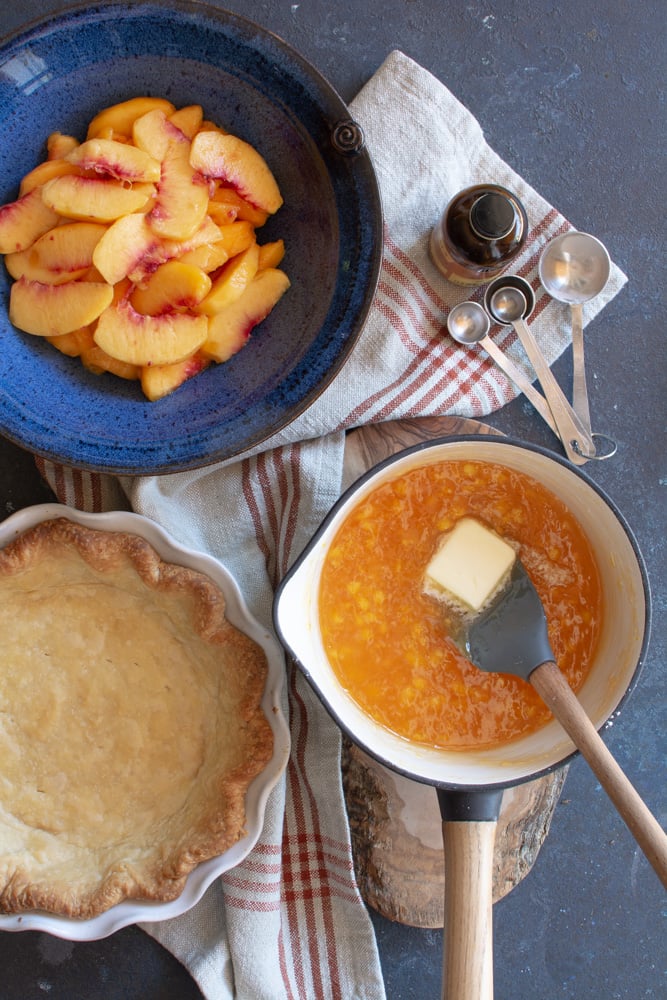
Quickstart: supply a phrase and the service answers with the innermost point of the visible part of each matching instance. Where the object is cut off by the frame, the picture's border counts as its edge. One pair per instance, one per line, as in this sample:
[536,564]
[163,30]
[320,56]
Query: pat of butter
[470,564]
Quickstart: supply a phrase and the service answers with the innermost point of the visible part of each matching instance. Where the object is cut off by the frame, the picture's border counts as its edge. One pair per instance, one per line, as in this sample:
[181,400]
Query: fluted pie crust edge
[130,721]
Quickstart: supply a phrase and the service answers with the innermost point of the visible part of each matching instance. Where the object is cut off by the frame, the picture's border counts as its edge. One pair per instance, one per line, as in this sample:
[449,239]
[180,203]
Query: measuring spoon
[574,268]
[507,301]
[468,323]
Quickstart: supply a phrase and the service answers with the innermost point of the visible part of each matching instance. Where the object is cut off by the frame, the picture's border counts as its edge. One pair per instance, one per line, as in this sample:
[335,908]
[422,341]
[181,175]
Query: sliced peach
[154,132]
[74,343]
[271,254]
[209,126]
[230,329]
[222,213]
[208,257]
[207,234]
[93,199]
[188,119]
[239,165]
[108,133]
[230,199]
[173,286]
[117,159]
[98,361]
[127,243]
[59,145]
[122,290]
[65,253]
[50,310]
[182,195]
[230,284]
[91,274]
[44,172]
[24,221]
[131,249]
[149,340]
[236,237]
[121,117]
[158,381]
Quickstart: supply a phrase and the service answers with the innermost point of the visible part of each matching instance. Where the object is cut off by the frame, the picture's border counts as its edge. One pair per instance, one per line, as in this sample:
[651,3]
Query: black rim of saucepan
[475,802]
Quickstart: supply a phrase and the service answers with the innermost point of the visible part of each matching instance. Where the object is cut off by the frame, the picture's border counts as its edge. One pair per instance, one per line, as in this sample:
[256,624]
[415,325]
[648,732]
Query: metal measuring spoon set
[573,268]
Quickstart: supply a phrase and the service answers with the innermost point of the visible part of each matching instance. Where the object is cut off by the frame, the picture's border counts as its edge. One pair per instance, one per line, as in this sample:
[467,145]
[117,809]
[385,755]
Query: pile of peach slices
[136,250]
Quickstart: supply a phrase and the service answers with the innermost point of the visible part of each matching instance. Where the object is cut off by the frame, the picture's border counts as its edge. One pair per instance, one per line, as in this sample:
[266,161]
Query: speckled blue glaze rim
[56,75]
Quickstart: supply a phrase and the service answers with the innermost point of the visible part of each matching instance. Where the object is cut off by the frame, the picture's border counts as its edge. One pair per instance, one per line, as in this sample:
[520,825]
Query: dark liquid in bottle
[481,231]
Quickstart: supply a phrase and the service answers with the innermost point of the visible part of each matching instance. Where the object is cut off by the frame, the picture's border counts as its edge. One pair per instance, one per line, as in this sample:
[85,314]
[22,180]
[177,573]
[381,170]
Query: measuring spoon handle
[577,442]
[517,376]
[579,388]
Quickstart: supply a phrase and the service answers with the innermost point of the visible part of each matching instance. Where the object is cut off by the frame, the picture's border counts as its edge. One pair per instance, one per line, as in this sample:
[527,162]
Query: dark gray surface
[570,95]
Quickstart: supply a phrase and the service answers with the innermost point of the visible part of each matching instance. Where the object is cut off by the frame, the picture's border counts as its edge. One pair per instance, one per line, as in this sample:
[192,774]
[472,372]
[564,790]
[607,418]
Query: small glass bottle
[480,233]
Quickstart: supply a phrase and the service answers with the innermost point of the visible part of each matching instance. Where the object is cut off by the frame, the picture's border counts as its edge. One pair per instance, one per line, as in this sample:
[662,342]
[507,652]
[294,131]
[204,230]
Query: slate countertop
[569,94]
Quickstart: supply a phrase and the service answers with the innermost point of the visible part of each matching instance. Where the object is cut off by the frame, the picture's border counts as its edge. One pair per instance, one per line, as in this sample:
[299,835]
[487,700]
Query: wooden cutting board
[395,822]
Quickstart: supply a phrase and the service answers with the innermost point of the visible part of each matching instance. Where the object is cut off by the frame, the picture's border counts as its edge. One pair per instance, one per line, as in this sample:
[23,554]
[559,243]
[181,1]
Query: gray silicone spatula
[509,635]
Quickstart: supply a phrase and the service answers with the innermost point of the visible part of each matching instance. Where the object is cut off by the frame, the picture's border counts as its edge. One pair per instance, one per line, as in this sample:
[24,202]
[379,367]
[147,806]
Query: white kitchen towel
[289,922]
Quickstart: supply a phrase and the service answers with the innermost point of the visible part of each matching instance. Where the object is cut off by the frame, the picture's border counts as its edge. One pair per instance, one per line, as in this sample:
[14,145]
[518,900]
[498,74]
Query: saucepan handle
[469,820]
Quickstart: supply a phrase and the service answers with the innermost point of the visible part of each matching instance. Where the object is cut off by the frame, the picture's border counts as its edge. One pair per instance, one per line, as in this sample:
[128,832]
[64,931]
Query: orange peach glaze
[387,641]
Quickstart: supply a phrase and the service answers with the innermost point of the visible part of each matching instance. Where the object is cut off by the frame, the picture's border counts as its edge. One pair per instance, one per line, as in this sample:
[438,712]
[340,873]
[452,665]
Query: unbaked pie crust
[130,721]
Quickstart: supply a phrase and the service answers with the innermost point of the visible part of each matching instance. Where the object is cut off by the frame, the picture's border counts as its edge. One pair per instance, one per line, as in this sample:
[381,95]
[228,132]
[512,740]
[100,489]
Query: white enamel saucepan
[470,783]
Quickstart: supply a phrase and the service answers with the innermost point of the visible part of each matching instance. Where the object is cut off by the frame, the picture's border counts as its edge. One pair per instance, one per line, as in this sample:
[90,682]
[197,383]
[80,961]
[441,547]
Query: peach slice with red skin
[157,381]
[182,197]
[126,243]
[173,286]
[141,340]
[93,199]
[229,330]
[230,284]
[182,194]
[117,159]
[23,221]
[130,248]
[50,310]
[65,253]
[239,165]
[121,117]
[223,214]
[227,199]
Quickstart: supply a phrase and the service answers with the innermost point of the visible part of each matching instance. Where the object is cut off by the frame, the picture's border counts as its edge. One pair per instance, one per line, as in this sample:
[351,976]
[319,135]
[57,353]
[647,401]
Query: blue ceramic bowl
[56,76]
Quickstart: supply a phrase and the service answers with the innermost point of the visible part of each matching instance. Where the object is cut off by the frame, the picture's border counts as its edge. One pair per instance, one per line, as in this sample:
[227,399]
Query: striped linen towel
[289,921]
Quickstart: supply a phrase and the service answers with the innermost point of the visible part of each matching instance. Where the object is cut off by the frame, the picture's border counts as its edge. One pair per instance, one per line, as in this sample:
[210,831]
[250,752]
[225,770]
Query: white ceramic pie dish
[198,881]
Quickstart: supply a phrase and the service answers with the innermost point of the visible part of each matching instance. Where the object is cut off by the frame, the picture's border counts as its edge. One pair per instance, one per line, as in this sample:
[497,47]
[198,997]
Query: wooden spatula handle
[468,934]
[557,694]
